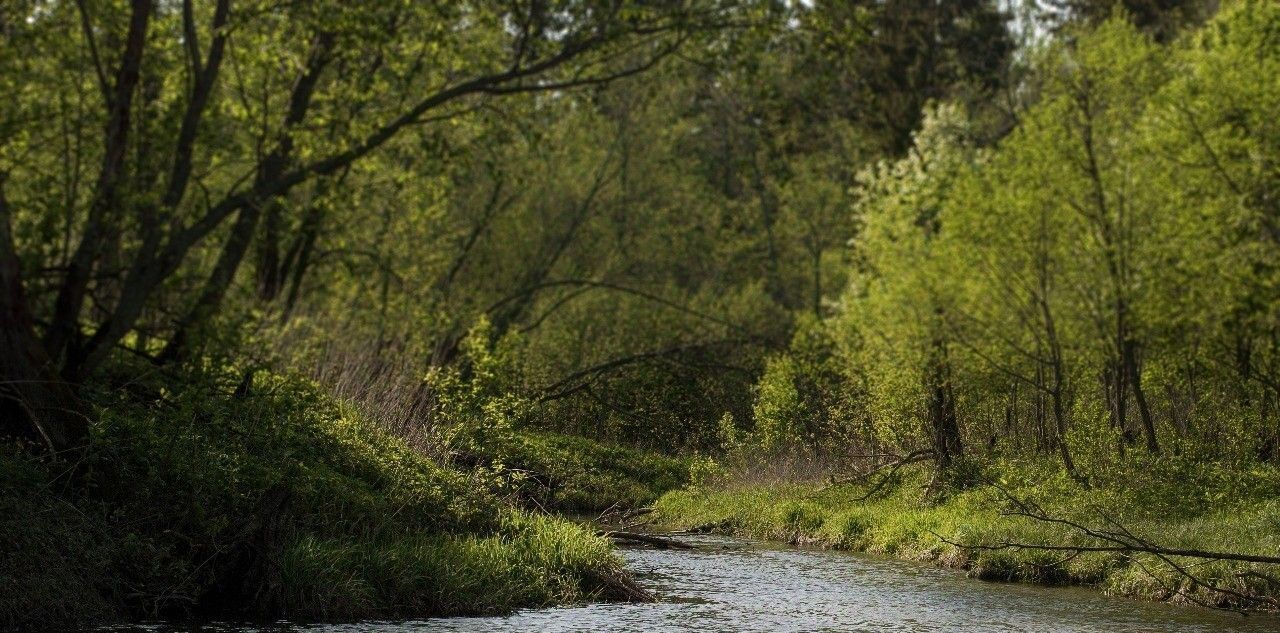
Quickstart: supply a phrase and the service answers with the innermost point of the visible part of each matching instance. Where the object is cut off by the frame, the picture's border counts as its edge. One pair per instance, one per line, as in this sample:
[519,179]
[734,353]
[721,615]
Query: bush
[801,397]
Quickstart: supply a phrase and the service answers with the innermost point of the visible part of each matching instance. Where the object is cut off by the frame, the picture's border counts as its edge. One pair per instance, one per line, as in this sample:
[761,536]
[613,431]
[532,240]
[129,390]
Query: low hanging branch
[581,379]
[1116,538]
[893,467]
[612,287]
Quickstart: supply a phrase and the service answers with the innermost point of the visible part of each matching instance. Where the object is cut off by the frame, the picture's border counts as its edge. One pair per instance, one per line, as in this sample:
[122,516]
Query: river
[728,585]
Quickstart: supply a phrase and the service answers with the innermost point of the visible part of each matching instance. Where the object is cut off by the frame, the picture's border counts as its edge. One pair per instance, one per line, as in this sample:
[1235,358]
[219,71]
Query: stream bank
[897,523]
[728,585]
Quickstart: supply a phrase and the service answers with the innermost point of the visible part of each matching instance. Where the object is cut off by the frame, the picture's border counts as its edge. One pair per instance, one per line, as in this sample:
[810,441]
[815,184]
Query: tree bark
[1135,382]
[942,409]
[35,403]
[64,329]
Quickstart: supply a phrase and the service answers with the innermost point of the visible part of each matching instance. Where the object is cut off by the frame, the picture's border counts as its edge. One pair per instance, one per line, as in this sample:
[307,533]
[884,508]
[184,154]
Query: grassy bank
[204,498]
[1169,502]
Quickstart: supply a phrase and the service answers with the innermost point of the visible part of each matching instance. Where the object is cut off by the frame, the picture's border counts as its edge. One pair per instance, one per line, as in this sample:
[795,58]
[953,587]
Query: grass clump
[530,561]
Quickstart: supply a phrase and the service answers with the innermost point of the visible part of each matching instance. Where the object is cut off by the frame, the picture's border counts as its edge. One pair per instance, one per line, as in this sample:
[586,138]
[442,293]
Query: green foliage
[518,281]
[576,474]
[704,471]
[802,398]
[778,409]
[1099,282]
[476,398]
[1163,19]
[228,451]
[894,311]
[486,422]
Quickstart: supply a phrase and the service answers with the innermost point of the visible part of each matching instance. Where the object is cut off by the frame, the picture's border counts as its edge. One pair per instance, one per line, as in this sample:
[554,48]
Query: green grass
[532,561]
[899,524]
[195,501]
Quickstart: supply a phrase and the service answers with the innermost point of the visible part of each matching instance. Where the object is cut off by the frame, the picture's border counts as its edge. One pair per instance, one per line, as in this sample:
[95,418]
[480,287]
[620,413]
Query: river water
[727,585]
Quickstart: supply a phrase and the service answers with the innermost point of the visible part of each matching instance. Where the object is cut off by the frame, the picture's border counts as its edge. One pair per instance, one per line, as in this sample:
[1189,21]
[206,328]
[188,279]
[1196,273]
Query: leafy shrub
[802,395]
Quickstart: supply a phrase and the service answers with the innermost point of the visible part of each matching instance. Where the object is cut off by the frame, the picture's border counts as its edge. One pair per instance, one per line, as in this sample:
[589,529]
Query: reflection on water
[735,586]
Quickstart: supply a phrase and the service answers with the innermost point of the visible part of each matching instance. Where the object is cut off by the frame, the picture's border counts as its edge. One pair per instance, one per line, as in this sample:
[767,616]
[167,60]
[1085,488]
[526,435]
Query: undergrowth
[220,497]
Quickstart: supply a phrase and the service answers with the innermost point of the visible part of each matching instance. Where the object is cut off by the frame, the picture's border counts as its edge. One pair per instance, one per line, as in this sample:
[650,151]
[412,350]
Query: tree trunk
[942,409]
[216,286]
[64,330]
[817,283]
[1113,387]
[268,265]
[1135,381]
[1060,420]
[301,262]
[35,403]
[1058,374]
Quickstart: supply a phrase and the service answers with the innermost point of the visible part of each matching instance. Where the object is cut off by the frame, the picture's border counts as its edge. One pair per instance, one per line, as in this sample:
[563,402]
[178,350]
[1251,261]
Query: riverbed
[727,585]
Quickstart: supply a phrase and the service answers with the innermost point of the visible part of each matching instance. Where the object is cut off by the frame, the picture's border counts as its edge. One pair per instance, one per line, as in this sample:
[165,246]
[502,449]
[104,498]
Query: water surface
[728,586]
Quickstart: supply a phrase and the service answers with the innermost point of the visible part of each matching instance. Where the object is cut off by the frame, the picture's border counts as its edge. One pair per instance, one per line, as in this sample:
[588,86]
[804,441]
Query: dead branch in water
[619,586]
[660,542]
[621,515]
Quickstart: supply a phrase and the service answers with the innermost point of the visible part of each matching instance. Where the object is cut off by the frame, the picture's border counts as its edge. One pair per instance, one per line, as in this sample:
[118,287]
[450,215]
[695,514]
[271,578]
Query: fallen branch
[1125,540]
[617,513]
[659,542]
[619,586]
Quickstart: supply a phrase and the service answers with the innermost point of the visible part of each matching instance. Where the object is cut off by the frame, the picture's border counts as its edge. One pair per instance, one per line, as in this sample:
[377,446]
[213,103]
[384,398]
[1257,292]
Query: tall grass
[386,388]
[531,561]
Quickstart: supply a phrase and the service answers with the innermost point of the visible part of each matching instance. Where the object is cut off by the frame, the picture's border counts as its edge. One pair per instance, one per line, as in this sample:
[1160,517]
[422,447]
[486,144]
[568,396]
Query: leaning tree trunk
[217,285]
[1135,382]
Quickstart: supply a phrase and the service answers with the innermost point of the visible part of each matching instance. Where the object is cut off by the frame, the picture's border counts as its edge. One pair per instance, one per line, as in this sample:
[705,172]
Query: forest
[336,311]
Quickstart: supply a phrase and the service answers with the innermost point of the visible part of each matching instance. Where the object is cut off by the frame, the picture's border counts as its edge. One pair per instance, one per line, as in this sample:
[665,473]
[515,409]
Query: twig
[910,458]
